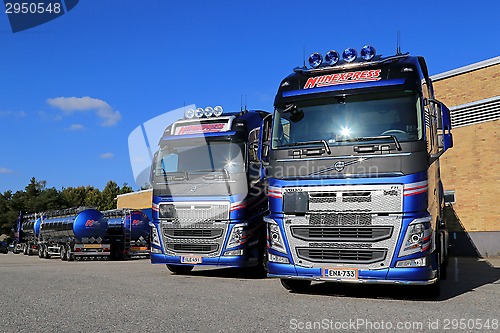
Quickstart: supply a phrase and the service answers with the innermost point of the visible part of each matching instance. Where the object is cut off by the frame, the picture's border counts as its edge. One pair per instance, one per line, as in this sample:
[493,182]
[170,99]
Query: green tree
[109,193]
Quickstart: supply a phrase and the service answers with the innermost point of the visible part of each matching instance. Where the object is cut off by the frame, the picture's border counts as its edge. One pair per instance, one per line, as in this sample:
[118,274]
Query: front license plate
[191,260]
[340,273]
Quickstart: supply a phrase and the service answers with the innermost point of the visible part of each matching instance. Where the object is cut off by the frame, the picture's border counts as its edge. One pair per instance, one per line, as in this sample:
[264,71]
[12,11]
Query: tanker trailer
[137,225]
[74,233]
[128,231]
[30,229]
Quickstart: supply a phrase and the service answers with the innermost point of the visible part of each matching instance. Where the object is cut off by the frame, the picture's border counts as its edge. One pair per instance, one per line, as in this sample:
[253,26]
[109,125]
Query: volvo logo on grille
[339,166]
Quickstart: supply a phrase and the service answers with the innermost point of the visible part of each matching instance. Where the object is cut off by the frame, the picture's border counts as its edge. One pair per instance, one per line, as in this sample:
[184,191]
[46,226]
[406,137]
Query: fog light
[278,259]
[234,252]
[419,262]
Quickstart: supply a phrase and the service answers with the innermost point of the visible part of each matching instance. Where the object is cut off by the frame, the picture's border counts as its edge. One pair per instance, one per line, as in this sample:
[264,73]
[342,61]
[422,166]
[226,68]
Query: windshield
[341,120]
[206,156]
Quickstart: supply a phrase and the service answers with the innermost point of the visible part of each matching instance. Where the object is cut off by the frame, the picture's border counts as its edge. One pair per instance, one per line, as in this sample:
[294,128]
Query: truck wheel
[62,252]
[295,285]
[69,254]
[46,254]
[178,269]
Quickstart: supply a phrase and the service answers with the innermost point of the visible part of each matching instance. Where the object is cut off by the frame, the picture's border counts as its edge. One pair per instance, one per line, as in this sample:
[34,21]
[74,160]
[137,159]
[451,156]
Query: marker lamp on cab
[349,54]
[315,60]
[367,52]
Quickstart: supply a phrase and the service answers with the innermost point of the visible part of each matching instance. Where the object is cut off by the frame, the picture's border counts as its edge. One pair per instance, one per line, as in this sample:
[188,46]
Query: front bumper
[396,276]
[224,261]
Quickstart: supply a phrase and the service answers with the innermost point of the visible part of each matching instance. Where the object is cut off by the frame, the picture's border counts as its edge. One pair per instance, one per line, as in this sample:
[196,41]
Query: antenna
[304,54]
[241,102]
[245,102]
[398,43]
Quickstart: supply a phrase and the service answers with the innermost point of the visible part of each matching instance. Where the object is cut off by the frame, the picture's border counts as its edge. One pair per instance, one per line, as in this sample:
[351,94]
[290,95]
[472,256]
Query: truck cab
[352,157]
[209,196]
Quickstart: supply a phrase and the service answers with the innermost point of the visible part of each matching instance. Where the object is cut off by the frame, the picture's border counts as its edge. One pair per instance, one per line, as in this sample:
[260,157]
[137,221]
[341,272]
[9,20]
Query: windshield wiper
[305,143]
[373,138]
[223,170]
[176,175]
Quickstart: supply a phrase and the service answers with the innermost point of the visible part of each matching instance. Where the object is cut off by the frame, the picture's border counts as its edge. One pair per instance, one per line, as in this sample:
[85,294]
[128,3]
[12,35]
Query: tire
[295,285]
[178,269]
[62,251]
[69,254]
[46,254]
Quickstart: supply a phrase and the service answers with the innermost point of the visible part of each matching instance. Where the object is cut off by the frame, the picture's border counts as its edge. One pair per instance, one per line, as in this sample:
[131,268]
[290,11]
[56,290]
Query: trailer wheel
[46,254]
[295,285]
[69,254]
[178,269]
[62,252]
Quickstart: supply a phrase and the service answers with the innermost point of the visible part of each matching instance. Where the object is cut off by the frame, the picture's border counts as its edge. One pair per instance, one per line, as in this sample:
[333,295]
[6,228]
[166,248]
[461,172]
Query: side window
[169,163]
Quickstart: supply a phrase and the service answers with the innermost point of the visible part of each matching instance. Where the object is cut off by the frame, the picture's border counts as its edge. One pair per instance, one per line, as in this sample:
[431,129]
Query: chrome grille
[342,233]
[192,232]
[340,219]
[192,247]
[342,255]
[197,212]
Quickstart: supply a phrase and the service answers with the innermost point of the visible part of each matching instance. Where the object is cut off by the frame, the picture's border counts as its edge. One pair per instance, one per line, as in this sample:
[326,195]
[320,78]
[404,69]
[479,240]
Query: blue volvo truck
[352,156]
[209,197]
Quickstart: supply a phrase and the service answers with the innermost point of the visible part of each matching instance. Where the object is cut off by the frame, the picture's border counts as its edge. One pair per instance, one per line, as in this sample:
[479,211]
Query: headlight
[237,237]
[155,239]
[274,236]
[167,211]
[418,237]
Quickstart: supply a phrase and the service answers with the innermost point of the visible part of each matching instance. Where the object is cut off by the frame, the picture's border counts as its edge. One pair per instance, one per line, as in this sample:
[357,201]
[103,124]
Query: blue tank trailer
[28,235]
[86,233]
[129,233]
[74,233]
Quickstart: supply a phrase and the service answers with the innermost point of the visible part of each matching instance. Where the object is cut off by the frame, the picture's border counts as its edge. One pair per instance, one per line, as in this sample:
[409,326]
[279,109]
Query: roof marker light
[332,57]
[315,60]
[349,54]
[199,112]
[367,52]
[218,110]
[208,111]
[189,114]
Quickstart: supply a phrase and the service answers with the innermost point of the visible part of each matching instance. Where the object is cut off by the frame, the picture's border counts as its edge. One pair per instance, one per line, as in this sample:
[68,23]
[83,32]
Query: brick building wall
[471,167]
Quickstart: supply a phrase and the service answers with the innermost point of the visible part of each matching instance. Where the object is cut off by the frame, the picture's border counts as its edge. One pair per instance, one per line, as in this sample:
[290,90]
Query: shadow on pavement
[464,275]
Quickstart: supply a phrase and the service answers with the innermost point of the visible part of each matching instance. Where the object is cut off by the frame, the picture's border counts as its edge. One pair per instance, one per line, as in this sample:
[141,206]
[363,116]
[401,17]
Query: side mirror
[265,139]
[447,137]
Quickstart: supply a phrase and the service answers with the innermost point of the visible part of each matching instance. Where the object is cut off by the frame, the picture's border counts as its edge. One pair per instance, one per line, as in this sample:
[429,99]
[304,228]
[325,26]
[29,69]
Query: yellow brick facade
[471,167]
[136,200]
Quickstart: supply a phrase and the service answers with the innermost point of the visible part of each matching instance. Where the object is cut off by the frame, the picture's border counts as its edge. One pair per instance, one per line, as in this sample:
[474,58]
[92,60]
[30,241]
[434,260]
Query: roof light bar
[349,55]
[207,112]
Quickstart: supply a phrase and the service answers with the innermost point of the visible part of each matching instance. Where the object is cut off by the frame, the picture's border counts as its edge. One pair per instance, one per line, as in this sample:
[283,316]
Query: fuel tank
[77,224]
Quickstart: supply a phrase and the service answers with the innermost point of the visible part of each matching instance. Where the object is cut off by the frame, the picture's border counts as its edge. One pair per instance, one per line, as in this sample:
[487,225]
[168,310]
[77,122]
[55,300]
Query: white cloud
[5,170]
[107,155]
[75,127]
[103,110]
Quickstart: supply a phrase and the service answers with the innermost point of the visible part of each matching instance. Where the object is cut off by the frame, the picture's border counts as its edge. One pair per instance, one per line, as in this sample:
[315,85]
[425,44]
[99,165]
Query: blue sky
[133,60]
